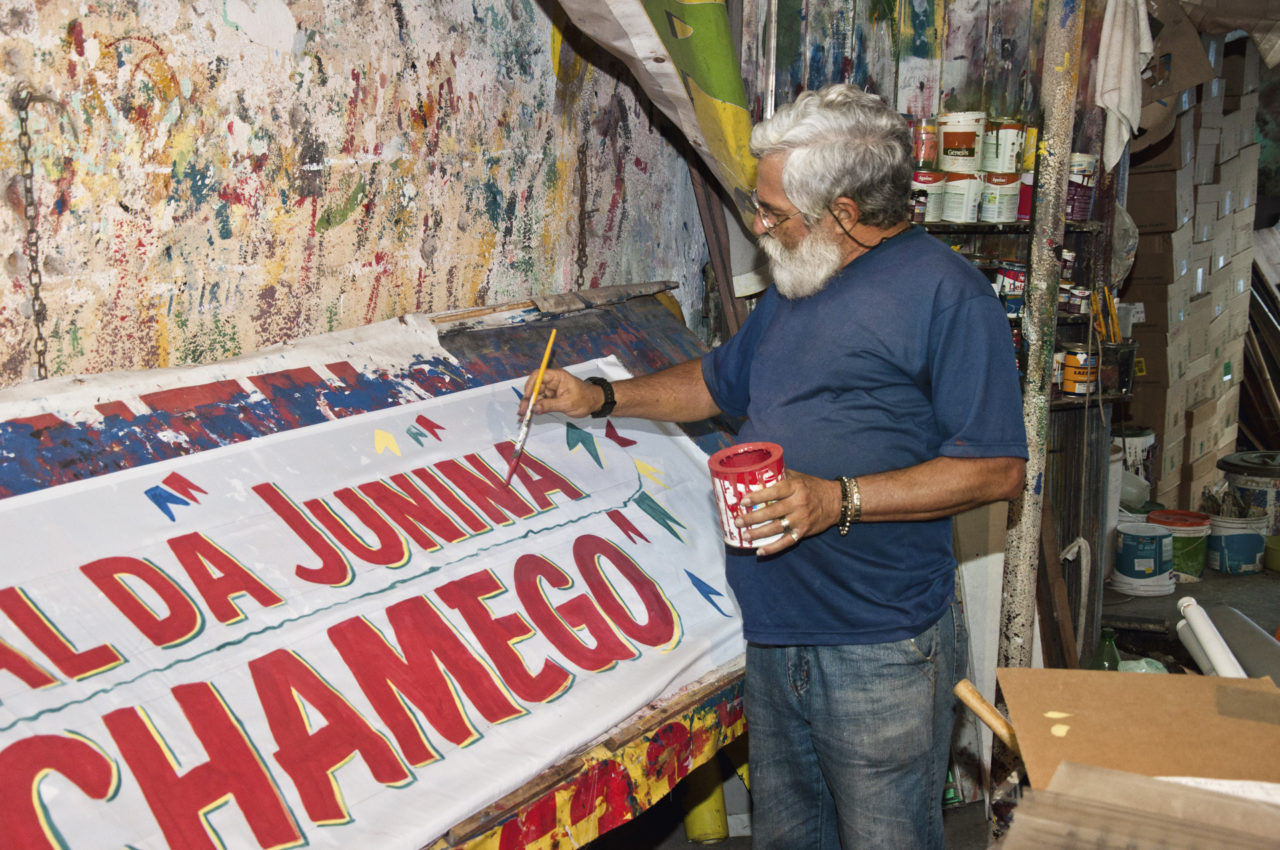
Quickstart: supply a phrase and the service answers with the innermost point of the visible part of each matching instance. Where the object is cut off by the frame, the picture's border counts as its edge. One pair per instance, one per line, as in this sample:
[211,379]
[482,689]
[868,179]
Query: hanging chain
[22,100]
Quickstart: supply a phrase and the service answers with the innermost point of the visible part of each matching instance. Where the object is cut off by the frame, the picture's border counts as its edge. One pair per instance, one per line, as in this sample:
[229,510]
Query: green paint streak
[706,53]
[223,216]
[206,341]
[331,316]
[334,216]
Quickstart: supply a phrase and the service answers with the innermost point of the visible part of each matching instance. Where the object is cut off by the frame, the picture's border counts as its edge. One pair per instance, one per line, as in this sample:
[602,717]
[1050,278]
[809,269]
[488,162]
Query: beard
[805,269]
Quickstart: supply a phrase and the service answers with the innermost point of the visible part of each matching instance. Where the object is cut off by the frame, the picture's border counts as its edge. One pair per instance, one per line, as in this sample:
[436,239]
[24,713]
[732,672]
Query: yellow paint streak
[727,130]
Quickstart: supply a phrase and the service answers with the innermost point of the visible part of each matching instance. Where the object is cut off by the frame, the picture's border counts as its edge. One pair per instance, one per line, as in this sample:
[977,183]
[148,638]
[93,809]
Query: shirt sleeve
[977,397]
[727,369]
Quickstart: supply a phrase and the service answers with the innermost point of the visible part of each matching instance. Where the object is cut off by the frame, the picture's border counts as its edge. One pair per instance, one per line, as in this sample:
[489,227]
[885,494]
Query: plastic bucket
[1144,559]
[1191,532]
[1237,546]
[960,141]
[1254,478]
[737,471]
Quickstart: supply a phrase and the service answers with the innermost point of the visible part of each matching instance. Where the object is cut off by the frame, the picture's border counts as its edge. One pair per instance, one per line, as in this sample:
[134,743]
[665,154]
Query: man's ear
[846,211]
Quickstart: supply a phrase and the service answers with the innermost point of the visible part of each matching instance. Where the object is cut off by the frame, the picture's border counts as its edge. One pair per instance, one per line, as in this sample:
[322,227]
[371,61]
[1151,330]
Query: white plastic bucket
[960,141]
[1237,546]
[1254,478]
[1144,559]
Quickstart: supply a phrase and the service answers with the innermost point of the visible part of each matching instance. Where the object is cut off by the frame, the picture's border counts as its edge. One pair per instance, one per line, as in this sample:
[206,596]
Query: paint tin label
[927,189]
[924,144]
[1080,186]
[737,471]
[961,198]
[1012,278]
[1079,372]
[960,141]
[1002,146]
[1000,197]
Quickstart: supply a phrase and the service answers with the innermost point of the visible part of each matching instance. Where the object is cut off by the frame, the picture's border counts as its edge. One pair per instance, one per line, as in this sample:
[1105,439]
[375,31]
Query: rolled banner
[1188,638]
[737,471]
[1215,648]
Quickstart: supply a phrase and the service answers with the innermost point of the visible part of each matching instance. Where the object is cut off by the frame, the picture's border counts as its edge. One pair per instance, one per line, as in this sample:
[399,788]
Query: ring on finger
[785,523]
[795,535]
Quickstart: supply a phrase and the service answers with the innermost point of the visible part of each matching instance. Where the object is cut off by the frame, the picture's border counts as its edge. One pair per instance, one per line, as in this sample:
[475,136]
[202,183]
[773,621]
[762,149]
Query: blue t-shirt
[904,356]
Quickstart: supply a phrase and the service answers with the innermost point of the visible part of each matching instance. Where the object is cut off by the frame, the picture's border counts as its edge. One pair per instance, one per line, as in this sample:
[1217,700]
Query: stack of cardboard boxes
[1192,196]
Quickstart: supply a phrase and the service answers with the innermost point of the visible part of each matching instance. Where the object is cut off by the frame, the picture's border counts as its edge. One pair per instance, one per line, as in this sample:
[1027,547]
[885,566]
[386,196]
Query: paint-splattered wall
[212,178]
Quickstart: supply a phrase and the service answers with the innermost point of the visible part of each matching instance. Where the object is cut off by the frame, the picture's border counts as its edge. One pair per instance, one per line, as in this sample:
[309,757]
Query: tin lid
[1258,464]
[1179,519]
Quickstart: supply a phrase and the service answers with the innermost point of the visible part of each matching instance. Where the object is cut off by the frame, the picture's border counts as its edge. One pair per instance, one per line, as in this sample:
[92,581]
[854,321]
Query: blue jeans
[849,745]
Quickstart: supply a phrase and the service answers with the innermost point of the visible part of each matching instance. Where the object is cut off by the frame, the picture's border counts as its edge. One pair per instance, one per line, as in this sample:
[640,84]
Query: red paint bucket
[737,471]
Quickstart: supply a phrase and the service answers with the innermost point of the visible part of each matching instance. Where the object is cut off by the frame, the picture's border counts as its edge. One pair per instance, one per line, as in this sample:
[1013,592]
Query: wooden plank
[920,30]
[1007,56]
[963,55]
[875,39]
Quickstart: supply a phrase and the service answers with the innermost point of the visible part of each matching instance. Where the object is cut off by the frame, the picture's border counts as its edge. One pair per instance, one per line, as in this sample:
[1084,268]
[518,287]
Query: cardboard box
[1175,150]
[1168,468]
[1197,325]
[1178,60]
[1219,290]
[1162,358]
[1242,270]
[1161,408]
[1246,179]
[1229,141]
[1161,257]
[1206,222]
[1231,368]
[1214,44]
[1202,432]
[1198,476]
[1164,306]
[1128,721]
[1201,261]
[1211,96]
[1160,205]
[1171,496]
[1205,168]
[1238,315]
[1240,66]
[1242,237]
[1220,259]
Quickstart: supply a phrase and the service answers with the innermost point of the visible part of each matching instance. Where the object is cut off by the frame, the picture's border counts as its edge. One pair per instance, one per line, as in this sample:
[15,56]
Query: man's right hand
[561,392]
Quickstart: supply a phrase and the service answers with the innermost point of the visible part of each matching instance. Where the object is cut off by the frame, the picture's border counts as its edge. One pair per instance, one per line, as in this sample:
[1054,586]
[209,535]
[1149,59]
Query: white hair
[841,142]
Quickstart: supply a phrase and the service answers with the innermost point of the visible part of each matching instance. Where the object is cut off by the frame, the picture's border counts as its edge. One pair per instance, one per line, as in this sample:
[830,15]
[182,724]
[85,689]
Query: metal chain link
[22,100]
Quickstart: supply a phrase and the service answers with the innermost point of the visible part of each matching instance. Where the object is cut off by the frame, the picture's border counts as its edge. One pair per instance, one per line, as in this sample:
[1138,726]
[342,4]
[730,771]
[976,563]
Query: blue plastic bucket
[1144,559]
[1237,546]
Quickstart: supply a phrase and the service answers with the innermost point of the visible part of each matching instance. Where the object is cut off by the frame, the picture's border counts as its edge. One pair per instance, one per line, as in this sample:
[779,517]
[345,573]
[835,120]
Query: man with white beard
[881,361]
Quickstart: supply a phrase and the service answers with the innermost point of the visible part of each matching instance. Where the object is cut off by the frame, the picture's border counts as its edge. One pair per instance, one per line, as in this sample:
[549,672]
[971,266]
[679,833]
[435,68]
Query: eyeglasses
[766,218]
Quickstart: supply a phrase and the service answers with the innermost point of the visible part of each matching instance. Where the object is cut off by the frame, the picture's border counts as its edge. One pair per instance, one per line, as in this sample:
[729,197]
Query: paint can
[1139,446]
[1254,478]
[1190,530]
[961,197]
[1144,559]
[1080,186]
[1011,286]
[999,197]
[737,471]
[924,144]
[960,141]
[1030,147]
[1002,146]
[1237,545]
[1079,371]
[1026,195]
[927,189]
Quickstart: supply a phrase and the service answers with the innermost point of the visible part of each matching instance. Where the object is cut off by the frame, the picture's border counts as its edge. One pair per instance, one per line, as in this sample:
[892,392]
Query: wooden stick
[986,712]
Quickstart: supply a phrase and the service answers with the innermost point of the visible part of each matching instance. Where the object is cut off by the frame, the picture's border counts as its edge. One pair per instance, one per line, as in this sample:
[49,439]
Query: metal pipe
[1063,36]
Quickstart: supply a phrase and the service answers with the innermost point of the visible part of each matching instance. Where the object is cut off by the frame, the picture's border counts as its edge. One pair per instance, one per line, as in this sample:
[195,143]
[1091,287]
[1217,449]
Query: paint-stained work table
[44,444]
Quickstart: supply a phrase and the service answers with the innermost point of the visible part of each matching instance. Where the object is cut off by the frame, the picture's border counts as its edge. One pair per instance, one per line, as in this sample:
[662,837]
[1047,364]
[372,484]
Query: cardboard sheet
[1143,723]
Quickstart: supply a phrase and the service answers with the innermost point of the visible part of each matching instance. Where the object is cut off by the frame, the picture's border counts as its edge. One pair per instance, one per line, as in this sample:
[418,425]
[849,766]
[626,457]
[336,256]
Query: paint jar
[927,189]
[1026,195]
[960,141]
[999,197]
[1002,146]
[1190,531]
[1144,560]
[961,197]
[1236,545]
[1080,186]
[737,471]
[924,144]
[1079,371]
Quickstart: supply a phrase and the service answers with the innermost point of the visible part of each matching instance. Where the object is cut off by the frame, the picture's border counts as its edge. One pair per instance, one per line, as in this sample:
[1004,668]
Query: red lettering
[412,510]
[310,758]
[41,631]
[200,556]
[497,635]
[335,569]
[234,770]
[662,625]
[17,663]
[472,520]
[391,550]
[559,624]
[181,623]
[25,763]
[431,649]
[485,490]
[539,480]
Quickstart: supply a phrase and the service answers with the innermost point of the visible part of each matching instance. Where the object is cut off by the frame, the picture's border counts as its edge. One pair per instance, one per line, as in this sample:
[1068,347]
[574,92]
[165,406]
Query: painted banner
[349,634]
[683,55]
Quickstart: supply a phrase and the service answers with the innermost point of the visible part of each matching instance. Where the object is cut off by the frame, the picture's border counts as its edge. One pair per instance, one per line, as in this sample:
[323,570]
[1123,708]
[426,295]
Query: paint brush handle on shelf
[528,411]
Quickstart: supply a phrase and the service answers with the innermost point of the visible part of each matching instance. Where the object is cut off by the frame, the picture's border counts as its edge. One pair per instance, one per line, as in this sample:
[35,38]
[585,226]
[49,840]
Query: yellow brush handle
[546,358]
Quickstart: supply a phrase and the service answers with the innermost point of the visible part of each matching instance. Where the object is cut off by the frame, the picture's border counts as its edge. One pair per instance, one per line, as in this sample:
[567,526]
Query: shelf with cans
[973,188]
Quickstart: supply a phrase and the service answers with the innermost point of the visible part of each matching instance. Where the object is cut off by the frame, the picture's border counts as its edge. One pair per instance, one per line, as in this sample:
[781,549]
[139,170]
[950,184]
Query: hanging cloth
[1123,51]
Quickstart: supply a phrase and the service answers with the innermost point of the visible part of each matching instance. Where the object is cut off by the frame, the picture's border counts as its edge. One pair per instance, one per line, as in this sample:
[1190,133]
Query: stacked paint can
[1190,530]
[737,471]
[977,169]
[960,137]
[1144,560]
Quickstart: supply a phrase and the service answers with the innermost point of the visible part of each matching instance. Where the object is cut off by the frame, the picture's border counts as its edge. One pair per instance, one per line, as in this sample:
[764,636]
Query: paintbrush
[528,412]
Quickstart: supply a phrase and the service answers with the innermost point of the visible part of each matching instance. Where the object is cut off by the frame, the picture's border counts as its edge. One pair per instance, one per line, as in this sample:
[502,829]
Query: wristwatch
[609,401]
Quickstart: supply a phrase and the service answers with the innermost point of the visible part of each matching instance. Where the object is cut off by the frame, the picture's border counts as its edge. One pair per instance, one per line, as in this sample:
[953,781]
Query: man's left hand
[796,507]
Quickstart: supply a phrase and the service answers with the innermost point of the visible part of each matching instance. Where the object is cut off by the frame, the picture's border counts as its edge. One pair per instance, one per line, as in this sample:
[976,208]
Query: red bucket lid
[1179,519]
